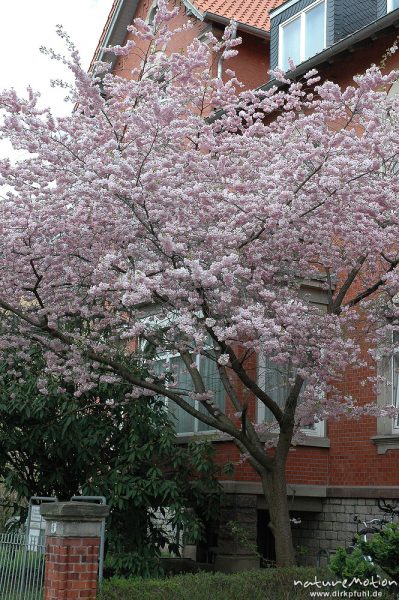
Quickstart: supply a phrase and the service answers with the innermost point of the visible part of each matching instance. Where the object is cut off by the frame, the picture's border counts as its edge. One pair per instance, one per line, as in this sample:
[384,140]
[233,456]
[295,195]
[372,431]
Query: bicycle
[368,529]
[375,525]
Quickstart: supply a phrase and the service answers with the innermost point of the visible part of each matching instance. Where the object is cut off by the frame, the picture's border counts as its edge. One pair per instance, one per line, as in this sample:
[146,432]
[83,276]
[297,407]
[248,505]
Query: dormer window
[392,5]
[304,35]
[152,14]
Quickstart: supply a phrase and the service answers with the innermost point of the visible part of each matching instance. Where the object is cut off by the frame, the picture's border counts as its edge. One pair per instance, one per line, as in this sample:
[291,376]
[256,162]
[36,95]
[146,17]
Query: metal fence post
[103,501]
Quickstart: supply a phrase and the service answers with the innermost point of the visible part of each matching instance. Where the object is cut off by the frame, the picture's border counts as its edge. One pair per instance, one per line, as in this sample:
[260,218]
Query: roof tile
[251,12]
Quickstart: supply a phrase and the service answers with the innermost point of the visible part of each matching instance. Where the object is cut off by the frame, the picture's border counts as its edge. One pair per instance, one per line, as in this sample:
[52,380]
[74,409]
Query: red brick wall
[352,459]
[251,65]
[344,67]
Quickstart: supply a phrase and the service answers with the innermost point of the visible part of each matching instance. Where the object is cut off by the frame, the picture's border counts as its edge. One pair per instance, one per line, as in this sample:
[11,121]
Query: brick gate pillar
[72,549]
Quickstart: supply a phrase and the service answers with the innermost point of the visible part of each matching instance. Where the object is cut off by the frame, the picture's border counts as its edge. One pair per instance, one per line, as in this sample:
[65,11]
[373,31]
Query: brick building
[341,467]
[253,25]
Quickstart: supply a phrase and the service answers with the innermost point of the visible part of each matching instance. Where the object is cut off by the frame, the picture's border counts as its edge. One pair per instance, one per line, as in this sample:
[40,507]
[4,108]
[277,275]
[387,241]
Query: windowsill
[385,442]
[317,441]
[217,436]
[210,436]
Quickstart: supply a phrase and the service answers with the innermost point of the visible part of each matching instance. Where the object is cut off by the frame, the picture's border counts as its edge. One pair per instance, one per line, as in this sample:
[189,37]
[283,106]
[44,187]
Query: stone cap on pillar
[74,511]
[73,519]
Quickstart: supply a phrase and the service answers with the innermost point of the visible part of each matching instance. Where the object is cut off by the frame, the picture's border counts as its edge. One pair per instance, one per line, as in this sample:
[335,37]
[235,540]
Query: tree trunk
[275,491]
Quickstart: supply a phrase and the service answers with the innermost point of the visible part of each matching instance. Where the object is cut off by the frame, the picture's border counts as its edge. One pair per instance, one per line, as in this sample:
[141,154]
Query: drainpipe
[221,59]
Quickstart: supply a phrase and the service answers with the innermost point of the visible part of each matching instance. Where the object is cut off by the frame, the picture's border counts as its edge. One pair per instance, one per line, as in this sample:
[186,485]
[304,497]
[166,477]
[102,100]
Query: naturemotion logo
[346,588]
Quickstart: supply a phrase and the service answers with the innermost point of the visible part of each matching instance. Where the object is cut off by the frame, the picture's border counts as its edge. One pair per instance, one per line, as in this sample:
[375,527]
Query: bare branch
[372,289]
[336,305]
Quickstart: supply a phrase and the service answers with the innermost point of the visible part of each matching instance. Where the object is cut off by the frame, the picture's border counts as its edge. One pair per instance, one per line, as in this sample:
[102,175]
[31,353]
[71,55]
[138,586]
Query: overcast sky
[25,25]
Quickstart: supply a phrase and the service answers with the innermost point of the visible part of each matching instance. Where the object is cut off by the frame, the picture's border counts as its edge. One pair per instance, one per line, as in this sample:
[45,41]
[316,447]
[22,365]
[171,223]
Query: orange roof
[254,13]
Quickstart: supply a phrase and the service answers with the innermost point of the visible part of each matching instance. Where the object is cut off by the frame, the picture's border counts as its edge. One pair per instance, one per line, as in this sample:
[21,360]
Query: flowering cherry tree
[141,226]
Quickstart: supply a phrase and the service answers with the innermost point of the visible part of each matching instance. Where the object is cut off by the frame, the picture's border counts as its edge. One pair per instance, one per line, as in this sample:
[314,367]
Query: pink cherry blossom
[144,226]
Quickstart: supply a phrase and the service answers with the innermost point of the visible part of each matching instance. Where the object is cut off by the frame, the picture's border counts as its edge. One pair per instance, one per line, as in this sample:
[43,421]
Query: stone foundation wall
[318,534]
[321,533]
[237,543]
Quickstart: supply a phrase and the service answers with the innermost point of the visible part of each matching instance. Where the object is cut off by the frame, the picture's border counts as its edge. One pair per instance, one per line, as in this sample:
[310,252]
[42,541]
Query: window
[388,392]
[395,381]
[303,36]
[387,437]
[274,380]
[184,422]
[152,14]
[392,5]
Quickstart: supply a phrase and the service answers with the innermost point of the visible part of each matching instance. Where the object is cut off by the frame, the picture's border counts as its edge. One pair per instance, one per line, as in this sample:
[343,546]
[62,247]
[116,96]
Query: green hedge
[264,584]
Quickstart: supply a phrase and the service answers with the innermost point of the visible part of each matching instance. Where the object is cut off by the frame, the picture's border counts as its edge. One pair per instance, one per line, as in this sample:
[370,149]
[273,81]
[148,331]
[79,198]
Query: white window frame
[390,6]
[152,11]
[387,393]
[394,394]
[387,430]
[319,427]
[302,17]
[166,357]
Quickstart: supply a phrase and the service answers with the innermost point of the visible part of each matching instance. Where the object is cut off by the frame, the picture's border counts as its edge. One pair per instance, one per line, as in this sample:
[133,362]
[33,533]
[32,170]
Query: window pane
[276,385]
[314,30]
[396,384]
[184,423]
[291,43]
[393,4]
[210,376]
[152,14]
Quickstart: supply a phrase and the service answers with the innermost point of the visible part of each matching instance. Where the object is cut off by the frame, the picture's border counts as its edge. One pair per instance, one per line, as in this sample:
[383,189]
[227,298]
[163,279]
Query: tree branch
[336,304]
[373,288]
[248,382]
